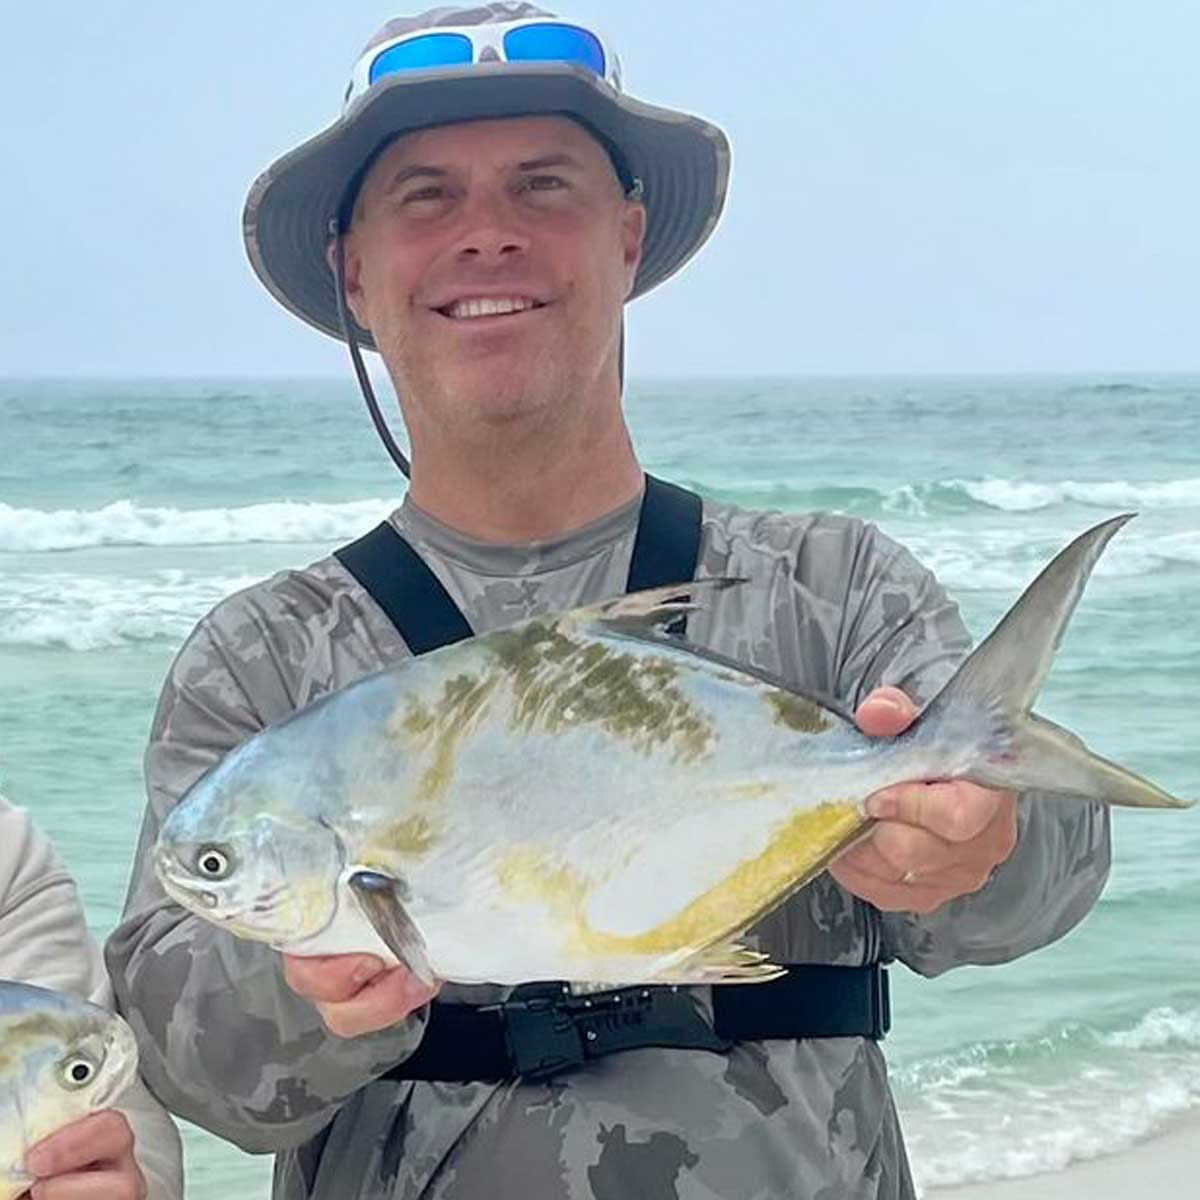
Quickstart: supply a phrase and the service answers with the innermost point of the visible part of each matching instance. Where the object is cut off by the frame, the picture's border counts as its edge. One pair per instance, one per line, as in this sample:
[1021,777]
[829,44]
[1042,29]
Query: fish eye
[213,863]
[77,1072]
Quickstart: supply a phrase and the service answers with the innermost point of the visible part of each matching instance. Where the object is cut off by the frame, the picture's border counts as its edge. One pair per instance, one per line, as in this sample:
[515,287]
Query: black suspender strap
[397,579]
[667,547]
[665,551]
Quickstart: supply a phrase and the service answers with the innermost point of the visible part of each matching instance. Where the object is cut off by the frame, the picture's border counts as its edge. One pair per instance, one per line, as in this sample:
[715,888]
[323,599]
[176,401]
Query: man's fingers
[894,851]
[886,712]
[915,897]
[956,812]
[945,842]
[330,978]
[921,896]
[385,1001]
[124,1182]
[355,993]
[101,1138]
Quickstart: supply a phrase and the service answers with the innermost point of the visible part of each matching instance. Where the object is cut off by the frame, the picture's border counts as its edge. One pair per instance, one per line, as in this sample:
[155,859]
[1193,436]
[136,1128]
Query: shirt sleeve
[226,1043]
[908,634]
[44,941]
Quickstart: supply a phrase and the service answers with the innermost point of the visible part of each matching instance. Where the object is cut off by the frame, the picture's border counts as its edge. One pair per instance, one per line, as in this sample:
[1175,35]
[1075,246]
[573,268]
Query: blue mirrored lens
[419,54]
[555,43]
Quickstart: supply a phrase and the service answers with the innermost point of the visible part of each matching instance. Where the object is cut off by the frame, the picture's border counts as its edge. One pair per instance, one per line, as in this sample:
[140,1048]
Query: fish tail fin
[993,692]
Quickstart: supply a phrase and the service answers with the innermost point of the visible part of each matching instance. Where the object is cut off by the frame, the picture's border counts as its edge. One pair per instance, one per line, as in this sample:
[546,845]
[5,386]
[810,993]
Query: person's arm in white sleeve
[44,941]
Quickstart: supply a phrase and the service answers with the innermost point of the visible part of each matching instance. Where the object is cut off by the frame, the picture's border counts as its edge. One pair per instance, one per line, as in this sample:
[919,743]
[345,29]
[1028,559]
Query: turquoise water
[126,510]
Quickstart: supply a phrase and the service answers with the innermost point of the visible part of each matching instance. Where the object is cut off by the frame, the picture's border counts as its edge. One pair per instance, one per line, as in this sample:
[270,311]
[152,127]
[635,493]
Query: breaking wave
[78,612]
[1007,1109]
[1010,558]
[1017,496]
[959,496]
[124,523]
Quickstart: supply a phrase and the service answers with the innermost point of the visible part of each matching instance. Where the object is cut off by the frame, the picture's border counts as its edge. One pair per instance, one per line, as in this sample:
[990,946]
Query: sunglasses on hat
[535,40]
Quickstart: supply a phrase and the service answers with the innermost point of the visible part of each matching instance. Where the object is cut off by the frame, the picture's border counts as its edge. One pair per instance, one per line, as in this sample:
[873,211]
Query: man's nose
[491,233]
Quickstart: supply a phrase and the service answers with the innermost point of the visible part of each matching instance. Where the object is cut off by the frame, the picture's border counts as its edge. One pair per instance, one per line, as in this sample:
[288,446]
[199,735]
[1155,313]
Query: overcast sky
[918,185]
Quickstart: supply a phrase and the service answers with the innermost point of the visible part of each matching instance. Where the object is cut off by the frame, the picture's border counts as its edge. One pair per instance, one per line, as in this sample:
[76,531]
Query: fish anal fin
[723,962]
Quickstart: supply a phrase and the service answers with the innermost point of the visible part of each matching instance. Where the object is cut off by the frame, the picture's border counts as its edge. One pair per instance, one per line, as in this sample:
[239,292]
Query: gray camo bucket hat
[678,162]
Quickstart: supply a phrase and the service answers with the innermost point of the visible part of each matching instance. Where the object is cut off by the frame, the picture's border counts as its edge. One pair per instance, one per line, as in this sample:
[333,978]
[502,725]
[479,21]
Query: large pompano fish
[584,797]
[60,1060]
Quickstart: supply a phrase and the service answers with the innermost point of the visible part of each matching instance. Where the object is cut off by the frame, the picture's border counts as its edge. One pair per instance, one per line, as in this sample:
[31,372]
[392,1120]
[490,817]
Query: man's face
[491,262]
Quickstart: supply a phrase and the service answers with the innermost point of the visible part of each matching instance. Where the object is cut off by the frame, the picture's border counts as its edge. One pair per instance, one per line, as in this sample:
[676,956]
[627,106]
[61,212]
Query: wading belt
[544,1028]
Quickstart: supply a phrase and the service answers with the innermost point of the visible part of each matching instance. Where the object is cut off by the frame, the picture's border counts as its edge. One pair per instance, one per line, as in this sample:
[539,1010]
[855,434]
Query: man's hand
[354,993]
[934,841]
[89,1160]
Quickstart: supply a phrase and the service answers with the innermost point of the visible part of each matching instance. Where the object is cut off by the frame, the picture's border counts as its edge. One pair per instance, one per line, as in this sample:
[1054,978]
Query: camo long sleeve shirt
[834,607]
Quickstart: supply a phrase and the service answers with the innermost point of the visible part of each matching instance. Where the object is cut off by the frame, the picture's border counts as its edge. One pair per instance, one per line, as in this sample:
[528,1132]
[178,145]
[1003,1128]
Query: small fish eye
[213,863]
[78,1072]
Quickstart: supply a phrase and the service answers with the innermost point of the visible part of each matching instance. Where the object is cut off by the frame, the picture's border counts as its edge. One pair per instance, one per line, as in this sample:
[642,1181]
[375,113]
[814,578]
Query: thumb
[886,712]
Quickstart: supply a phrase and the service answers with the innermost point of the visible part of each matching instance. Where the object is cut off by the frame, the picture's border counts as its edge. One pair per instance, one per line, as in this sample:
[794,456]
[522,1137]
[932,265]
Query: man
[116,1155]
[484,218]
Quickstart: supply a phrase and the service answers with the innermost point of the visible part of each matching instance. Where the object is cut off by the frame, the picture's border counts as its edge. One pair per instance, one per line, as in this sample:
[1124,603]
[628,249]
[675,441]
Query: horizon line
[680,377]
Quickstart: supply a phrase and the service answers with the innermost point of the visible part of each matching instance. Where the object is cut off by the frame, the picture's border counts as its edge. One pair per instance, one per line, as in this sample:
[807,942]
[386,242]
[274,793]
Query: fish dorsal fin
[644,617]
[654,608]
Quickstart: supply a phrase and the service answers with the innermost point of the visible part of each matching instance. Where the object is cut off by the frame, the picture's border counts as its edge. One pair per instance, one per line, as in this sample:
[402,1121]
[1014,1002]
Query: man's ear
[633,235]
[352,265]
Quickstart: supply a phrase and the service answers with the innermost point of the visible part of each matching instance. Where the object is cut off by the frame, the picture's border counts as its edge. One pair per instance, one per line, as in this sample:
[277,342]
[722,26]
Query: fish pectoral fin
[724,962]
[379,897]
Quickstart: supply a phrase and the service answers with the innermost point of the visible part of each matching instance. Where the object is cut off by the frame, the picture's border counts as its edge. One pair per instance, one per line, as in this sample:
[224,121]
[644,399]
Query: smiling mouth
[471,309]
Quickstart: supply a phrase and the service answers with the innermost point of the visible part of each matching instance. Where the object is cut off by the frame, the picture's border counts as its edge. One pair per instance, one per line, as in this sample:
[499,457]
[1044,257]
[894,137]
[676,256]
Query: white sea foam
[1159,1028]
[124,523]
[79,612]
[1003,1111]
[1008,559]
[1023,495]
[1014,495]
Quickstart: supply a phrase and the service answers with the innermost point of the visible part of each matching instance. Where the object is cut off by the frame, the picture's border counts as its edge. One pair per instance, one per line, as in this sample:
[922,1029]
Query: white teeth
[490,307]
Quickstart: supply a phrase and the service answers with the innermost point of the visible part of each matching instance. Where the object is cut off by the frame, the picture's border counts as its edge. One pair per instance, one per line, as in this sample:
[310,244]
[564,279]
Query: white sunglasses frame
[482,37]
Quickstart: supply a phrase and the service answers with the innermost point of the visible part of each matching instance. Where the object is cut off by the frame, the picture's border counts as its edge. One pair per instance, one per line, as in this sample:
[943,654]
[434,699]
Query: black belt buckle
[540,1031]
[548,1029]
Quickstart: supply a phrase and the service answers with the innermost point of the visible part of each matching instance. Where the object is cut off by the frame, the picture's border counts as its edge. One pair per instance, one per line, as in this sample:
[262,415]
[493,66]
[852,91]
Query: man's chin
[498,398]
[499,410]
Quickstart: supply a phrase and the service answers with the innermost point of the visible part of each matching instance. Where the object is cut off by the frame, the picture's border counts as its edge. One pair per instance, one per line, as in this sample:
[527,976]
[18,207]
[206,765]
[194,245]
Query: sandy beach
[1165,1166]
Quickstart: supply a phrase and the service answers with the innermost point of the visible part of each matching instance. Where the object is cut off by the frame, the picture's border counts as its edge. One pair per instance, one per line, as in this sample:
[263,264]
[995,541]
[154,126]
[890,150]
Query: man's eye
[426,193]
[544,183]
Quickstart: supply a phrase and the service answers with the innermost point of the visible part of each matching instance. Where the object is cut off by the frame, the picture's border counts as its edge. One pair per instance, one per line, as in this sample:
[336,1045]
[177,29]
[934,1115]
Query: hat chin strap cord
[360,368]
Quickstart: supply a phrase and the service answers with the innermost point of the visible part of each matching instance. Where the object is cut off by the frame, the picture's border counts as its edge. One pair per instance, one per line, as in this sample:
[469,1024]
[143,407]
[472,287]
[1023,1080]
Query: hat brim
[682,161]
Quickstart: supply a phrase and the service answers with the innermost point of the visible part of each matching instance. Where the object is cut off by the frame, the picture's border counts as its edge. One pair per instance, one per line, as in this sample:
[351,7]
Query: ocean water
[128,509]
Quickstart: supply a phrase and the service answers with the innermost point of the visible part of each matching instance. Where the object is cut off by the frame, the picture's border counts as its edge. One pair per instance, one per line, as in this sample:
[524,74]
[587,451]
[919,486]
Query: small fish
[60,1059]
[583,797]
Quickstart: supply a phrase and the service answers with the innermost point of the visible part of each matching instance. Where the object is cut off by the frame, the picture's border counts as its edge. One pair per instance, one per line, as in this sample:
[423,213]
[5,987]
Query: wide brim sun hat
[678,164]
